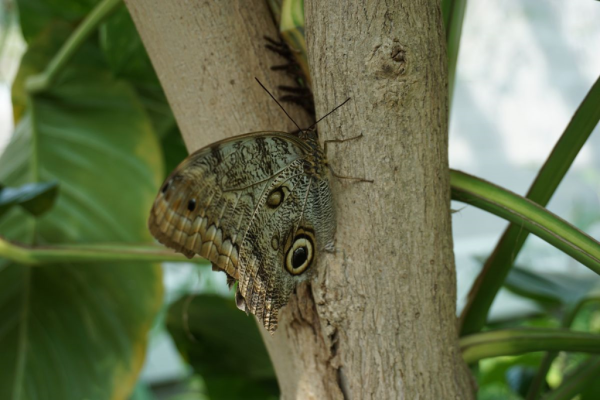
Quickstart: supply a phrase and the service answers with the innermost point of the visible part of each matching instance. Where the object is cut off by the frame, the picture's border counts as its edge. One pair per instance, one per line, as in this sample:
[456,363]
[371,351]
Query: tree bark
[206,55]
[378,319]
[389,292]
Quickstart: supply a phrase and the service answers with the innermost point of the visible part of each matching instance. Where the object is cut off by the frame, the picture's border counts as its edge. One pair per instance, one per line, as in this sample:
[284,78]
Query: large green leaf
[224,346]
[78,331]
[127,58]
[40,53]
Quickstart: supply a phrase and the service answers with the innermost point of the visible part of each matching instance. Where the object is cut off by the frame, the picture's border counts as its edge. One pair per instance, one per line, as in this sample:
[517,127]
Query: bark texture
[378,319]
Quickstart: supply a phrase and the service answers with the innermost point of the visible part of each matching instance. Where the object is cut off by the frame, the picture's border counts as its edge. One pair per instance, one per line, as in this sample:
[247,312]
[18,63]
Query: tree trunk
[378,319]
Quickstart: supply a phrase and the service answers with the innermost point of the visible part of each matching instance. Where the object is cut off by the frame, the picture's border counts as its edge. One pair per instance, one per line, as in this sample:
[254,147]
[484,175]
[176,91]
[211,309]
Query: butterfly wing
[294,220]
[239,203]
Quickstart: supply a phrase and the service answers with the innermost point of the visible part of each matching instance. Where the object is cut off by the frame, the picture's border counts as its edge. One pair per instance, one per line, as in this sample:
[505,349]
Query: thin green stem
[41,82]
[36,256]
[519,341]
[496,268]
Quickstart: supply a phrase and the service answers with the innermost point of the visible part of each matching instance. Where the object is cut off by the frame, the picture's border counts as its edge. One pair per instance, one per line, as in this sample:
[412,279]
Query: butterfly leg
[351,178]
[331,169]
[326,142]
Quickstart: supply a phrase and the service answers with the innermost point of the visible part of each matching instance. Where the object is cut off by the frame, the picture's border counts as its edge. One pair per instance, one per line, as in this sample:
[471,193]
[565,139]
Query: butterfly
[258,206]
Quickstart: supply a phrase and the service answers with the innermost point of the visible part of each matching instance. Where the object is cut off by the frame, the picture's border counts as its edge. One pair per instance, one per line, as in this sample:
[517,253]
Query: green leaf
[497,392]
[78,331]
[36,198]
[71,46]
[124,51]
[224,346]
[498,265]
[291,28]
[142,392]
[127,58]
[526,340]
[40,54]
[528,215]
[591,388]
[453,12]
[8,19]
[36,15]
[494,371]
[550,290]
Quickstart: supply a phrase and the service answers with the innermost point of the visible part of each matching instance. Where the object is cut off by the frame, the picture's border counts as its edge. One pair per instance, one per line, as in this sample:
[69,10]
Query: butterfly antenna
[328,114]
[280,106]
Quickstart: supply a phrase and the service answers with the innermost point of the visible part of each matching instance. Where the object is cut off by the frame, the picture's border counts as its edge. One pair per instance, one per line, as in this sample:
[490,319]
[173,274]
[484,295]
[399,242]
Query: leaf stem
[36,256]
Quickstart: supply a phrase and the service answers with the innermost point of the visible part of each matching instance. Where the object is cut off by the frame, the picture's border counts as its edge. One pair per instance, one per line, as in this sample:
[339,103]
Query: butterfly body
[258,206]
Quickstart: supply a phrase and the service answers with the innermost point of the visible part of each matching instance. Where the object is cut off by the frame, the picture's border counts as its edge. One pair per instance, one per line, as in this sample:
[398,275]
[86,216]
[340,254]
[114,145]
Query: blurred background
[524,67]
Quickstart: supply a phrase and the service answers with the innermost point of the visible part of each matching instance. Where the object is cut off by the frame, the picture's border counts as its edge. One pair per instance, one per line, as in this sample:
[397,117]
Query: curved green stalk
[518,341]
[35,256]
[40,82]
[498,265]
[528,215]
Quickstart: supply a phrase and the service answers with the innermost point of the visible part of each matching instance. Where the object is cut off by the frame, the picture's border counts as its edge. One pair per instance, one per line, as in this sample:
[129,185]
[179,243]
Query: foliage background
[104,129]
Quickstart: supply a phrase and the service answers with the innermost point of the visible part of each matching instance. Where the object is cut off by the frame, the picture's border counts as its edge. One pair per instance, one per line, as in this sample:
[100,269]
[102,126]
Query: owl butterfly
[257,206]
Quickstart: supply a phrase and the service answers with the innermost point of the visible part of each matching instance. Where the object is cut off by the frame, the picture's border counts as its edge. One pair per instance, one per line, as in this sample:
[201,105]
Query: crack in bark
[336,365]
[305,314]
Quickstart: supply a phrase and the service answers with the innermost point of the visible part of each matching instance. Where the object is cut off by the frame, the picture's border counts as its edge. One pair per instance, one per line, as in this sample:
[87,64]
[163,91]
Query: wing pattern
[241,203]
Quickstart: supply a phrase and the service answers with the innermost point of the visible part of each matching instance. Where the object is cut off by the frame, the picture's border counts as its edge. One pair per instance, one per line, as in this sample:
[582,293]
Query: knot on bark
[388,60]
